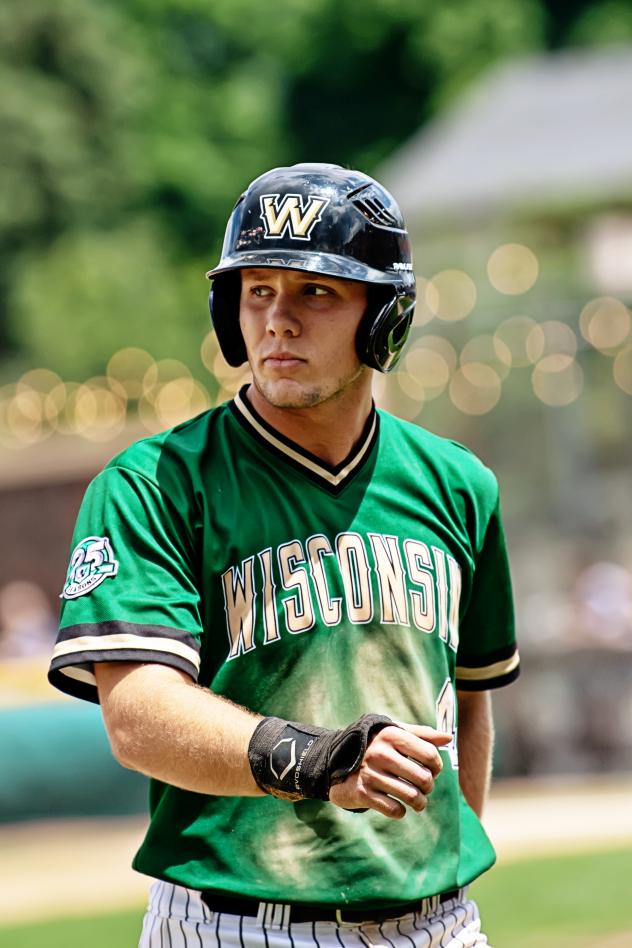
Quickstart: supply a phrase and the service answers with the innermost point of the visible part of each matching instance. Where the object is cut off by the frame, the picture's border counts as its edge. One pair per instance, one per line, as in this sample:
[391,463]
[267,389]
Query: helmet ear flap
[384,328]
[223,304]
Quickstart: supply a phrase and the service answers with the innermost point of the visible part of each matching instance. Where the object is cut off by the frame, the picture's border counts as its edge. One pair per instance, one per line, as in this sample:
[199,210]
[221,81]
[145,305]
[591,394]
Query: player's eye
[260,290]
[317,289]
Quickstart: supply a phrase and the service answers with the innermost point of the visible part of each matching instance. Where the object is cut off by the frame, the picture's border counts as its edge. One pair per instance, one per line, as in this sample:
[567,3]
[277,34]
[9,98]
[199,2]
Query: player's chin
[288,393]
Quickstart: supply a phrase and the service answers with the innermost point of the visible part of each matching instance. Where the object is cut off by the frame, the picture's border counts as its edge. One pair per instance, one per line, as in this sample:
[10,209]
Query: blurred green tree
[126,130]
[129,128]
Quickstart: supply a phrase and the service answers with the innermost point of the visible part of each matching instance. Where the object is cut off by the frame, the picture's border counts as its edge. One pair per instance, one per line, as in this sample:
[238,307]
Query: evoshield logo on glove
[289,216]
[275,756]
[91,562]
[278,757]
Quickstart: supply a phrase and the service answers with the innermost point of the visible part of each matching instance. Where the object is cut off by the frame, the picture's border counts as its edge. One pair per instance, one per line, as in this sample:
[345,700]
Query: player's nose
[282,317]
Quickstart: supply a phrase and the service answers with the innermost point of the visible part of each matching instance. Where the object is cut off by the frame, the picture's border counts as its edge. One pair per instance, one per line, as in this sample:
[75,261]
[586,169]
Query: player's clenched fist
[373,763]
[398,770]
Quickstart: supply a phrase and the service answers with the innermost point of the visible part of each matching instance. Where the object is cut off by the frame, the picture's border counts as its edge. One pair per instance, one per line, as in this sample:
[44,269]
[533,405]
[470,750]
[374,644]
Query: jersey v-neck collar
[333,478]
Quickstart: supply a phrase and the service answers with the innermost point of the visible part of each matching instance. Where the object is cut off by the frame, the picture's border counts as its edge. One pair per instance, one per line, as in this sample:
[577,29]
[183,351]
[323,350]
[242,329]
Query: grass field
[555,902]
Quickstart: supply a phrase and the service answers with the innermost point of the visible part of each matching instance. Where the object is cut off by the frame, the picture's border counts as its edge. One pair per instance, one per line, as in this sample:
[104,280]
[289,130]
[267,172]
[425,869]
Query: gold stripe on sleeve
[497,670]
[119,641]
[79,674]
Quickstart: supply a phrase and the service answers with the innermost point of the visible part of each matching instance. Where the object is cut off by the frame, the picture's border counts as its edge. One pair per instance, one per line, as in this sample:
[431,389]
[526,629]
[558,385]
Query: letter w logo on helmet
[289,215]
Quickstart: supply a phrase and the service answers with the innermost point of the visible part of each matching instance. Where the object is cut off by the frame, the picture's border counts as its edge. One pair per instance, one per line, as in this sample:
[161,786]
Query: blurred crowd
[27,622]
[595,611]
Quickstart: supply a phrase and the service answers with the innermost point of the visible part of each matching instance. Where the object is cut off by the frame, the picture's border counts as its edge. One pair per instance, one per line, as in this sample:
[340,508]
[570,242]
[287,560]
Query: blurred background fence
[503,128]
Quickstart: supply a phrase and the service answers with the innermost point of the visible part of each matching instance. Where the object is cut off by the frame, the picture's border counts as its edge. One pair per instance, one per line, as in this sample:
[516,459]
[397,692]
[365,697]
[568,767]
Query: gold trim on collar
[298,456]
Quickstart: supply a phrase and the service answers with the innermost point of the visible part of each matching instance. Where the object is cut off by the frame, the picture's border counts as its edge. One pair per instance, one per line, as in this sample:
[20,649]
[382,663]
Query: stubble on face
[287,393]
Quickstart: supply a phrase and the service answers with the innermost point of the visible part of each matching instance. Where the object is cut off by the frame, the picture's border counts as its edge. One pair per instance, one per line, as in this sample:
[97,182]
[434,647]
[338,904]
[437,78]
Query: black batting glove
[301,762]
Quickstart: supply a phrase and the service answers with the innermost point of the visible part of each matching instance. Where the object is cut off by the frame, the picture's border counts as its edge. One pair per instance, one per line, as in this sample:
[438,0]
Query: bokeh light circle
[521,336]
[390,397]
[487,350]
[551,337]
[605,323]
[162,372]
[83,408]
[105,411]
[60,407]
[172,402]
[512,269]
[435,344]
[25,416]
[450,295]
[475,388]
[557,379]
[40,380]
[426,372]
[109,384]
[411,385]
[128,368]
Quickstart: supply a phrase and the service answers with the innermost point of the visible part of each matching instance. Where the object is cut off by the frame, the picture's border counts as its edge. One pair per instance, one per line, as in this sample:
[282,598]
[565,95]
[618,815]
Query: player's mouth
[282,360]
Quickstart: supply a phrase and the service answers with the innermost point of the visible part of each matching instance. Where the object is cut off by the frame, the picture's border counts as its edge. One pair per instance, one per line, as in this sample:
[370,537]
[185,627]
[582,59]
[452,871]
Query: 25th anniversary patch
[91,561]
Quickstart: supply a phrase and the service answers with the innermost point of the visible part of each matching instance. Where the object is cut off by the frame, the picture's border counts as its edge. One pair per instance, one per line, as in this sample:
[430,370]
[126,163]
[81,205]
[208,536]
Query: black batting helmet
[323,219]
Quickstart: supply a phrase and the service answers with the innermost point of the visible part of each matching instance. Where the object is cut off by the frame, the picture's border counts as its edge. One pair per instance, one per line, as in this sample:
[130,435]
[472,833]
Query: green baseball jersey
[313,593]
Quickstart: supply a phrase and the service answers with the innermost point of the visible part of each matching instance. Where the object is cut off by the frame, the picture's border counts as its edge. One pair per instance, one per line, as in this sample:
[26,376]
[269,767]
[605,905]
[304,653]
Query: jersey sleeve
[130,593]
[487,655]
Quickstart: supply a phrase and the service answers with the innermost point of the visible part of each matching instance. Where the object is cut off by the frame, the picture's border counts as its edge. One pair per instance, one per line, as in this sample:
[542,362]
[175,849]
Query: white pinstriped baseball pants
[177,918]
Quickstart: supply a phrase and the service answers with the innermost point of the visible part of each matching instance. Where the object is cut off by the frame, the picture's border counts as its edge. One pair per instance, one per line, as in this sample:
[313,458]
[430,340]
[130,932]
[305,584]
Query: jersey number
[446,719]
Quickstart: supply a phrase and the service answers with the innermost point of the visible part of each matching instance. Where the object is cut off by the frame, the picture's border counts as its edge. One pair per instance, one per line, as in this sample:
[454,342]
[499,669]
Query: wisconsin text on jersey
[412,582]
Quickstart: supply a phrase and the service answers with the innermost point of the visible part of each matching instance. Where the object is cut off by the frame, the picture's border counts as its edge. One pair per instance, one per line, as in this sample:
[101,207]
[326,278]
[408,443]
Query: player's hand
[398,770]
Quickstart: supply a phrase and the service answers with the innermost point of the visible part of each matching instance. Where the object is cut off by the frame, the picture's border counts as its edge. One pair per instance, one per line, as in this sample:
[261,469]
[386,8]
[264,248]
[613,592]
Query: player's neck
[329,430]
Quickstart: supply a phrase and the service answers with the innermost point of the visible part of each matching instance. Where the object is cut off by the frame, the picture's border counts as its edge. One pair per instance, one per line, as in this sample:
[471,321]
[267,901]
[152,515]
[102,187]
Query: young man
[276,601]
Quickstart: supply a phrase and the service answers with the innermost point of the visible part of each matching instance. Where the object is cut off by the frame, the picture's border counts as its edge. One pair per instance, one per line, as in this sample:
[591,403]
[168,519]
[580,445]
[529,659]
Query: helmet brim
[344,268]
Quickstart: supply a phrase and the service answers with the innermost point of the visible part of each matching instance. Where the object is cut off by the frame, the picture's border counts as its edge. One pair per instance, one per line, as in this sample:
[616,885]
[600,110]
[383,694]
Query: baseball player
[287,604]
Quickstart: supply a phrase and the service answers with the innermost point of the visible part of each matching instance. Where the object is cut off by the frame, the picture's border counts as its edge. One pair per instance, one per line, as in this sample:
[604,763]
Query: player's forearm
[476,739]
[163,725]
